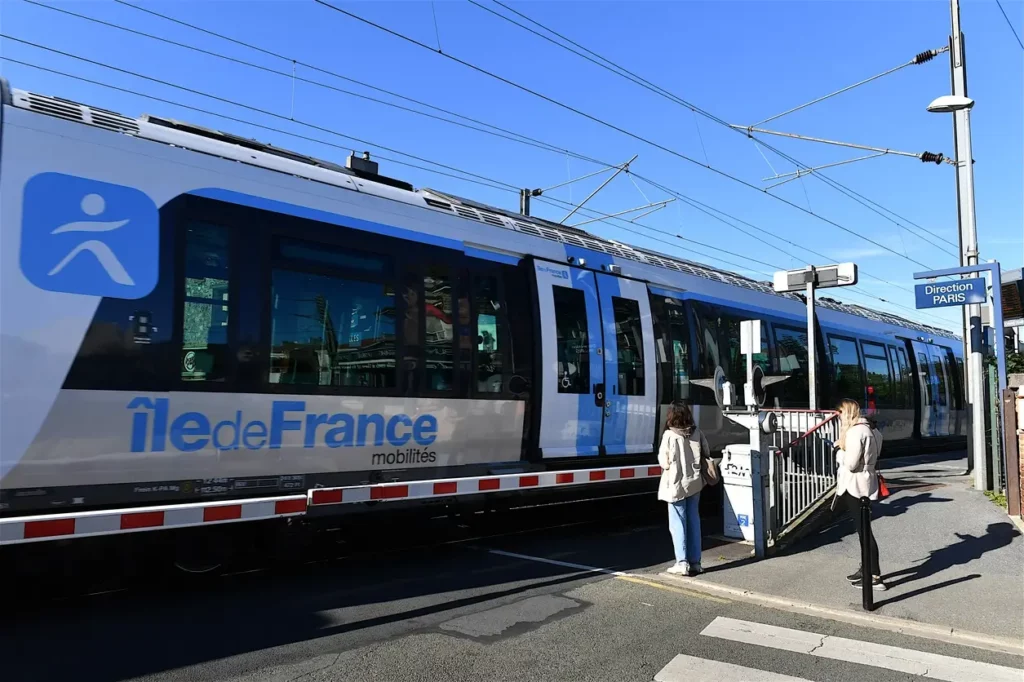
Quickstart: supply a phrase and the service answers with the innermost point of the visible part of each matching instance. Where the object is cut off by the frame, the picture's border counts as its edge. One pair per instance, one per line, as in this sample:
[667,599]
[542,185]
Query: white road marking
[931,666]
[564,564]
[691,669]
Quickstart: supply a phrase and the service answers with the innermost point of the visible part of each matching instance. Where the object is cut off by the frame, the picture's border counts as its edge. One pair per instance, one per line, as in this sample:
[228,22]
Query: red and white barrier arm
[71,525]
[23,529]
[448,487]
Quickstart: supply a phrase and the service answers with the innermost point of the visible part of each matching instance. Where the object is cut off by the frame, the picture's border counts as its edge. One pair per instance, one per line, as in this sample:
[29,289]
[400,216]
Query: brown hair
[680,417]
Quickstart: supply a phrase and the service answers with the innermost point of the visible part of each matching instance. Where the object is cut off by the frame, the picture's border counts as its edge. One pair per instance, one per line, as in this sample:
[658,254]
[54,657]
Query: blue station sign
[944,294]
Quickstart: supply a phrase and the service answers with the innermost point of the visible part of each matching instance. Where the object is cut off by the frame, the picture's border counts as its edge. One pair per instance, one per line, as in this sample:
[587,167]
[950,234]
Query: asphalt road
[490,609]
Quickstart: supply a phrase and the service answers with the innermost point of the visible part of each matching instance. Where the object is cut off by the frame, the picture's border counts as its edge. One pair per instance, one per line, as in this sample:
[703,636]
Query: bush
[1015,363]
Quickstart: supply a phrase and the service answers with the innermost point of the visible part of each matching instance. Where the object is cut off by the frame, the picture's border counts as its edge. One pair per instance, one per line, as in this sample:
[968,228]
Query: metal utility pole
[812,345]
[969,247]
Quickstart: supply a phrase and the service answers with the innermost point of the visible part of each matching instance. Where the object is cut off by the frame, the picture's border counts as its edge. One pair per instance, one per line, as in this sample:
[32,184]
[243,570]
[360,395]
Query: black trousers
[852,505]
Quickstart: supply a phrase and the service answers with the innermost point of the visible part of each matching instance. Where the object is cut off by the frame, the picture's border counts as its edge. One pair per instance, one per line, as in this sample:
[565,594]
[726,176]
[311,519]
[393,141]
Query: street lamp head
[947,104]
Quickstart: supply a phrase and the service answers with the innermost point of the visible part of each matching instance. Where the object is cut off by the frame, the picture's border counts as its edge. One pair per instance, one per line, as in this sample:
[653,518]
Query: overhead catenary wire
[694,109]
[639,80]
[624,131]
[505,186]
[921,58]
[495,130]
[216,98]
[472,177]
[503,133]
[1010,24]
[846,290]
[356,139]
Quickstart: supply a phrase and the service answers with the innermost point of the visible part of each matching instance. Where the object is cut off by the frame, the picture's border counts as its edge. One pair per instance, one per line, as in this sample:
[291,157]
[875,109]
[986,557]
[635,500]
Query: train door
[956,391]
[944,374]
[928,393]
[598,363]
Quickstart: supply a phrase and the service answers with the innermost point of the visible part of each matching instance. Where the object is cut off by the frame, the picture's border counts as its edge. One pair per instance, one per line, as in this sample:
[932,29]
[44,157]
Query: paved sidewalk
[950,556]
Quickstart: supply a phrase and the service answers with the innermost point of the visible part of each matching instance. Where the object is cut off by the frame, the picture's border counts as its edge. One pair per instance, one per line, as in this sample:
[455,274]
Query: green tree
[1015,363]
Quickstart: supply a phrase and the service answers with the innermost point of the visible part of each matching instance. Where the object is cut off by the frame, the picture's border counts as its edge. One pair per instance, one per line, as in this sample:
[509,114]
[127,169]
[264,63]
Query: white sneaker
[679,569]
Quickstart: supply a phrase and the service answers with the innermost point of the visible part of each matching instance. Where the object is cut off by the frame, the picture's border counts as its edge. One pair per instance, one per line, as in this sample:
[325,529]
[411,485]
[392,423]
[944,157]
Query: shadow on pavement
[923,590]
[967,549]
[838,524]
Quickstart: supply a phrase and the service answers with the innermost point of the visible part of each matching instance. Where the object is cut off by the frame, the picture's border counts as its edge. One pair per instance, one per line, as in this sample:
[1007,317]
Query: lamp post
[959,104]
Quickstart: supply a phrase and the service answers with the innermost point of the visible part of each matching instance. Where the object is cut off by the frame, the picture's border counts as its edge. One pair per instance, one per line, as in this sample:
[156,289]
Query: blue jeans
[684,525]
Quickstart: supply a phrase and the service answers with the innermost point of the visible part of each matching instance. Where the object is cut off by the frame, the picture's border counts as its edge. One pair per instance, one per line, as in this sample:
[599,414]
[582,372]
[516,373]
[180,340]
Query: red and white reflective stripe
[447,487]
[110,522]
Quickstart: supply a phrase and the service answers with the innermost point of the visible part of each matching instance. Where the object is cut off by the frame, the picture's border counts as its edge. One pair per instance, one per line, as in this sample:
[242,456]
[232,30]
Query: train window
[519,322]
[679,336]
[331,331]
[629,343]
[490,341]
[662,310]
[718,343]
[940,370]
[791,346]
[735,364]
[846,377]
[901,391]
[956,379]
[708,357]
[439,346]
[905,370]
[204,347]
[572,339]
[412,347]
[878,374]
[929,382]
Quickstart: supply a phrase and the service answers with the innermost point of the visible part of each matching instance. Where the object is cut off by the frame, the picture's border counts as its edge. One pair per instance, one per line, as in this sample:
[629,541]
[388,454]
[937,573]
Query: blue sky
[742,61]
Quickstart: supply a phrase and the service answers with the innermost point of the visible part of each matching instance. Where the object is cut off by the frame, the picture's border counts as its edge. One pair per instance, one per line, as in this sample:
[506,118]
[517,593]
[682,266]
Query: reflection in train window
[573,342]
[488,348]
[331,331]
[791,345]
[629,342]
[847,381]
[438,316]
[878,375]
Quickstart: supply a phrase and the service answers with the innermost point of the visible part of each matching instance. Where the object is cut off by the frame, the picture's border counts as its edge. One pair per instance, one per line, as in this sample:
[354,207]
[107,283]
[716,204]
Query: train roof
[254,152]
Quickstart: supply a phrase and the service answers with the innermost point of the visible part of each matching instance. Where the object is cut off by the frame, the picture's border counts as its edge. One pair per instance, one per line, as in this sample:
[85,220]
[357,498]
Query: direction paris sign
[945,294]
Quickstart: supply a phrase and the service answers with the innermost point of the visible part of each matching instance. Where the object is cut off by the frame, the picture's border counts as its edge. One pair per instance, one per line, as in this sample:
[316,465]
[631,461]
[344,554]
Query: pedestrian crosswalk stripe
[932,666]
[691,669]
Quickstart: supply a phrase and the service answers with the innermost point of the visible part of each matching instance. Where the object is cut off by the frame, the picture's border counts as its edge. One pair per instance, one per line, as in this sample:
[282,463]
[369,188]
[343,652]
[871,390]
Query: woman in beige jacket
[683,447]
[859,446]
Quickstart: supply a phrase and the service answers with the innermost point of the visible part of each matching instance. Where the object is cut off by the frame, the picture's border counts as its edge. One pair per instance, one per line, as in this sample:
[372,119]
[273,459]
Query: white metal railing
[803,467]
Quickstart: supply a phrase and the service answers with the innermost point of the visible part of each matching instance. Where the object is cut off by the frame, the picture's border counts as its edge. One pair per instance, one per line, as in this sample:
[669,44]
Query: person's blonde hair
[849,413]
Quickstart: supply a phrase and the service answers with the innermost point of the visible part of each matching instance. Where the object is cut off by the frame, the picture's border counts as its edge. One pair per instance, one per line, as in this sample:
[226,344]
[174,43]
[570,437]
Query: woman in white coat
[683,449]
[859,446]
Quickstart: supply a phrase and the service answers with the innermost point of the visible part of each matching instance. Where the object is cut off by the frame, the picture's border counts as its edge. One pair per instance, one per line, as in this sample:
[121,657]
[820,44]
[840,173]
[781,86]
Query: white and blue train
[186,315]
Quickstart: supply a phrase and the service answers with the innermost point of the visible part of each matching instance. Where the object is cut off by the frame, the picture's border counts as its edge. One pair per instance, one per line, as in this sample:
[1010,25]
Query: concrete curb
[942,633]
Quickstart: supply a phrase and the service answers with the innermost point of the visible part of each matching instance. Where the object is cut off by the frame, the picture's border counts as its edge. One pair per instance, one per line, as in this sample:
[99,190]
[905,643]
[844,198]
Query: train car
[188,317]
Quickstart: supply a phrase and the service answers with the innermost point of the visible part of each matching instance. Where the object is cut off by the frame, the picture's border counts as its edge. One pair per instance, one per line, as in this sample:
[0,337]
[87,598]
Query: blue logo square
[83,236]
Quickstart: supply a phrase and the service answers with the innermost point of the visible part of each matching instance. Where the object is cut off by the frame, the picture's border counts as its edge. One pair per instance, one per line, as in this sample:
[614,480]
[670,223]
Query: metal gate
[803,466]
